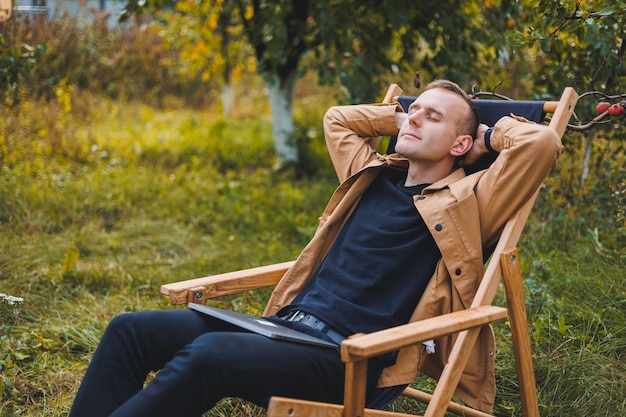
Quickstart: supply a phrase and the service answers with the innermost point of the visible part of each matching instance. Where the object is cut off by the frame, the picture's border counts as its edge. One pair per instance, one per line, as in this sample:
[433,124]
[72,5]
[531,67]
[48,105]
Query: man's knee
[122,324]
[215,350]
[126,330]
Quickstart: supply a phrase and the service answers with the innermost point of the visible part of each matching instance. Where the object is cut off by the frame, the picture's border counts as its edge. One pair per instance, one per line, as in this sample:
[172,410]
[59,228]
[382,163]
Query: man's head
[439,128]
[468,123]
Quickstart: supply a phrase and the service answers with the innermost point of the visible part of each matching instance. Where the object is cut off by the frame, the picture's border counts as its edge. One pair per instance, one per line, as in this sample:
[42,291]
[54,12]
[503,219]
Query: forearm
[353,133]
[527,153]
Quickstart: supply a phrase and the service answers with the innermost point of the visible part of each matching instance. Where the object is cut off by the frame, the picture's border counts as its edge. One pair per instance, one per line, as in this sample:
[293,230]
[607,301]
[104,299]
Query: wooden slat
[183,292]
[512,274]
[453,407]
[564,111]
[287,407]
[388,340]
[393,92]
[550,106]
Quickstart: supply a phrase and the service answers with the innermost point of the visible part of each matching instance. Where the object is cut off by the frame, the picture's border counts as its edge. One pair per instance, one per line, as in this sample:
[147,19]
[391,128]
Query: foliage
[192,49]
[575,43]
[350,43]
[16,63]
[602,195]
[10,351]
[37,56]
[581,41]
[209,41]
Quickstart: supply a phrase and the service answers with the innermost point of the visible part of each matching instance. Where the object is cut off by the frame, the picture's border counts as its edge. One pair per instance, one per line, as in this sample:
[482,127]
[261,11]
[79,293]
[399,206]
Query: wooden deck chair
[356,351]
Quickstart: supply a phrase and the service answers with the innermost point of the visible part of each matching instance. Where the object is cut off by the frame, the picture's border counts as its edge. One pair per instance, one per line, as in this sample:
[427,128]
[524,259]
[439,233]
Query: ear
[462,145]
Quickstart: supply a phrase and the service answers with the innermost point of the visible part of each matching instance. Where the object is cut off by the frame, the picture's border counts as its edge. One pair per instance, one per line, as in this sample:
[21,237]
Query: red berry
[602,106]
[552,47]
[616,109]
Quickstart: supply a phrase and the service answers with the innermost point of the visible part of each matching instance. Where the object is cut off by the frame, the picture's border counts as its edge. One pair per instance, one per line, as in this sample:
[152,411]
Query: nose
[416,117]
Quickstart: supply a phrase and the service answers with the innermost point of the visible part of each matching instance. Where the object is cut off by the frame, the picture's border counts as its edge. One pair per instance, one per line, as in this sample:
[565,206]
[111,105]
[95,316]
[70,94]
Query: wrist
[399,118]
[487,139]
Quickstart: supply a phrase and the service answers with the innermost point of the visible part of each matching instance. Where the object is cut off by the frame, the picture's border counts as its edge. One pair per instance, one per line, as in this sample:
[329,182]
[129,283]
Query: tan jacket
[463,213]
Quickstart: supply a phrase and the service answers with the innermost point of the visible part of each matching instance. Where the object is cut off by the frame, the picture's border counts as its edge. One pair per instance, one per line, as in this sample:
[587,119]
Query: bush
[39,55]
[10,349]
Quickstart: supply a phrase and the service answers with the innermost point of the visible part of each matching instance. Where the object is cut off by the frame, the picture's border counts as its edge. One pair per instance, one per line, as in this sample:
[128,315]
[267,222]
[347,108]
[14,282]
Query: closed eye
[434,116]
[429,112]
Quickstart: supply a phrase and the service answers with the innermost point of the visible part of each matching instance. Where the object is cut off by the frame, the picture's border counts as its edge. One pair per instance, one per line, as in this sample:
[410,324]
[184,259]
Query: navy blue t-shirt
[376,271]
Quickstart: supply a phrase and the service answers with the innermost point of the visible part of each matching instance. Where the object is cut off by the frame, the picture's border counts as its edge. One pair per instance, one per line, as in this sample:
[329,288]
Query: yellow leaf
[249,12]
[70,259]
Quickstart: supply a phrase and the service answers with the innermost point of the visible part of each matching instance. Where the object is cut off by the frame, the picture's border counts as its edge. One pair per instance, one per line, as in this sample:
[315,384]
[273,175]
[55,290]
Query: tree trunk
[587,155]
[226,94]
[281,99]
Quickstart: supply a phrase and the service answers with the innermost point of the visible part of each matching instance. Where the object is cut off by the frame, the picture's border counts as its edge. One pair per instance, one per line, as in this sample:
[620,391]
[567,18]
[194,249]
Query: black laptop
[261,326]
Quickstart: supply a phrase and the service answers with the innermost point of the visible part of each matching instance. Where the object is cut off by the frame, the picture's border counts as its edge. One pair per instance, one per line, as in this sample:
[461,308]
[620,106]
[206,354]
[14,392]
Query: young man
[400,240]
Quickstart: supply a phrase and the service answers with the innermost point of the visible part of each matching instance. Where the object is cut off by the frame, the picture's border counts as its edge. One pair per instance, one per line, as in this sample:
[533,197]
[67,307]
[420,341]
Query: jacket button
[438,227]
[457,271]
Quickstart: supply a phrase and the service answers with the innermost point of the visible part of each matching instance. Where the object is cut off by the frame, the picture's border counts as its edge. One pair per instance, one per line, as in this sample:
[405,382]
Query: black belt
[314,323]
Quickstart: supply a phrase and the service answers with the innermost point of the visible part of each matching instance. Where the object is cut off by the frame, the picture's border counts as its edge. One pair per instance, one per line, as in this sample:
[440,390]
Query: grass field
[102,203]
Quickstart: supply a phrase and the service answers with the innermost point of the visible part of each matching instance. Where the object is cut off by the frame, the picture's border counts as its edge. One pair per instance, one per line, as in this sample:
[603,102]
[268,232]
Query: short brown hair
[469,125]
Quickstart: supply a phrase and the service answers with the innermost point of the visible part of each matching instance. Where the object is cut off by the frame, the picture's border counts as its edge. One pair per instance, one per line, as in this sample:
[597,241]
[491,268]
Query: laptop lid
[261,326]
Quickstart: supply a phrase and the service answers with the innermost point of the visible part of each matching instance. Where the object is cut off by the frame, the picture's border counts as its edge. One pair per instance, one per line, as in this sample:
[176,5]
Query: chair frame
[356,350]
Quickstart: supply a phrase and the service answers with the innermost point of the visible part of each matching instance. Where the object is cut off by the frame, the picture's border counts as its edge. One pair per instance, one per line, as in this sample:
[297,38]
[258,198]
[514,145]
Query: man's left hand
[478,148]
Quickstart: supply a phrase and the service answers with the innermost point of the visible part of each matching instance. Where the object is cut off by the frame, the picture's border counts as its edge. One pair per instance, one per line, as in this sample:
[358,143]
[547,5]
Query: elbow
[332,115]
[549,143]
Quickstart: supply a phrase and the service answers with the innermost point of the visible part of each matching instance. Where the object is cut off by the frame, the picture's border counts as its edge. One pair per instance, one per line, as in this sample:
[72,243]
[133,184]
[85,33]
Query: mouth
[411,135]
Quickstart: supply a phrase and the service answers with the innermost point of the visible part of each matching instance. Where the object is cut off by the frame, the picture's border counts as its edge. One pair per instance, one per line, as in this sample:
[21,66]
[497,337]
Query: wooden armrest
[384,341]
[199,289]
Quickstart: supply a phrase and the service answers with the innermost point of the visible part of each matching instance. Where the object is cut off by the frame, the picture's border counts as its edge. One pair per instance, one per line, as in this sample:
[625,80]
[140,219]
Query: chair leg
[512,274]
[354,394]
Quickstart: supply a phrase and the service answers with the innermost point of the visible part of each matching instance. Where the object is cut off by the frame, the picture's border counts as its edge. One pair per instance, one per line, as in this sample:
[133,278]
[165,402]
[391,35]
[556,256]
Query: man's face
[430,130]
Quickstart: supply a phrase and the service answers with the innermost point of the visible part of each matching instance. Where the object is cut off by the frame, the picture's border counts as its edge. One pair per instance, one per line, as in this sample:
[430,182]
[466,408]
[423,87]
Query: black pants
[200,361]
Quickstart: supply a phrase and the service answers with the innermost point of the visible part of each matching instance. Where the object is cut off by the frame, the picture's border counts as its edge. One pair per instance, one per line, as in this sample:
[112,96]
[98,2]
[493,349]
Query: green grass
[101,205]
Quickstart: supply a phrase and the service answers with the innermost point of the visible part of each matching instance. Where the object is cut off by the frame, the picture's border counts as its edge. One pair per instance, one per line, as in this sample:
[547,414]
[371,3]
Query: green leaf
[562,326]
[607,11]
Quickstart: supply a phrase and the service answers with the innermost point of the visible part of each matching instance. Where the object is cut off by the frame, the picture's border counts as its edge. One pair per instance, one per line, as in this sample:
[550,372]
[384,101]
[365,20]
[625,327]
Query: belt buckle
[296,316]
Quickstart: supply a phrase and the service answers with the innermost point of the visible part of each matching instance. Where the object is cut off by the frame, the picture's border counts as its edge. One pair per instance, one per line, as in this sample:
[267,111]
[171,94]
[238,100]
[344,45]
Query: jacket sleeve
[527,153]
[353,132]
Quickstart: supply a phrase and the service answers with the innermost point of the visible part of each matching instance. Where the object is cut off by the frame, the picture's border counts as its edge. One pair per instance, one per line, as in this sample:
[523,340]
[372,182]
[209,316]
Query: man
[400,240]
